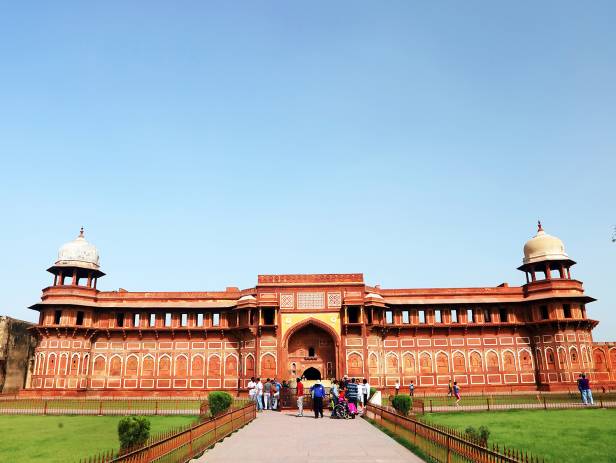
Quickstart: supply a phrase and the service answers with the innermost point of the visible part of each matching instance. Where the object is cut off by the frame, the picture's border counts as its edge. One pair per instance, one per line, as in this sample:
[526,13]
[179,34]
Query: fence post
[448,449]
[45,409]
[488,403]
[545,405]
[430,405]
[100,408]
[191,442]
[156,408]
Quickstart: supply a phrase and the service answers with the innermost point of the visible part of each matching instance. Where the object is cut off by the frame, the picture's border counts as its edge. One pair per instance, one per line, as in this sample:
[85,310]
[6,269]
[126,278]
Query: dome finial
[539,227]
[81,232]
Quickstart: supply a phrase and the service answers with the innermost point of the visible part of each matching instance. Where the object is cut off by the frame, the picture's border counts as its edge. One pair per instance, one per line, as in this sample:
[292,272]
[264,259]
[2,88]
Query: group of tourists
[265,393]
[347,397]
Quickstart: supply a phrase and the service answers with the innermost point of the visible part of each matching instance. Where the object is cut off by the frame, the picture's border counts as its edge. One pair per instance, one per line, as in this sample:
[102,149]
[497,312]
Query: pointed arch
[574,357]
[231,362]
[425,362]
[442,362]
[550,359]
[115,366]
[599,358]
[391,363]
[525,359]
[585,357]
[132,365]
[476,362]
[164,365]
[51,364]
[373,364]
[100,365]
[85,364]
[74,365]
[249,365]
[492,361]
[509,363]
[408,364]
[268,365]
[41,364]
[355,364]
[147,366]
[63,363]
[561,353]
[459,361]
[197,366]
[181,366]
[310,321]
[213,365]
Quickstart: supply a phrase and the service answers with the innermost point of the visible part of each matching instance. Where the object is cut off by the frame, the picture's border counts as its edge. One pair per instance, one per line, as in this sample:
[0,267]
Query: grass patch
[67,438]
[401,440]
[559,436]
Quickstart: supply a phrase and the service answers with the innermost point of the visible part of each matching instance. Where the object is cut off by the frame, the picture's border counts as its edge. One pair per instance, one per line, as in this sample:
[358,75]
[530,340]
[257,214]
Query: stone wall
[17,346]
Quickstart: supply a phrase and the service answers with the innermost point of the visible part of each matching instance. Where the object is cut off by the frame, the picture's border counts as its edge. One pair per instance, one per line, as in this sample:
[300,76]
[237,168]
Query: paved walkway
[274,437]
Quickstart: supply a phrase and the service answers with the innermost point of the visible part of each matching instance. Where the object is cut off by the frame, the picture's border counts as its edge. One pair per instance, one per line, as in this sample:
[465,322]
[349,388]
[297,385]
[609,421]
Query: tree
[133,431]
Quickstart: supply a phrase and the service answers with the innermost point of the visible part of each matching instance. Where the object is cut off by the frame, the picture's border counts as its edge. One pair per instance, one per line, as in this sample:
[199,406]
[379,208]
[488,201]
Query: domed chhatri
[78,253]
[543,247]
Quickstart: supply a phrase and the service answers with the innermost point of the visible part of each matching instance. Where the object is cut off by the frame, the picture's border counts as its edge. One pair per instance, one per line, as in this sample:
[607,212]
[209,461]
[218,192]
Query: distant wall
[17,346]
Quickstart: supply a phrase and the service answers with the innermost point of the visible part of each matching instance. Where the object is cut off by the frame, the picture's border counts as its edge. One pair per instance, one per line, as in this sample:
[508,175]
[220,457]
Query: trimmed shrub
[478,435]
[219,402]
[402,403]
[133,431]
[372,391]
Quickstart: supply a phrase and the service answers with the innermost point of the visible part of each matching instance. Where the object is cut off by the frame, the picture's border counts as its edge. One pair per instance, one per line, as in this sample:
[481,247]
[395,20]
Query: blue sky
[203,143]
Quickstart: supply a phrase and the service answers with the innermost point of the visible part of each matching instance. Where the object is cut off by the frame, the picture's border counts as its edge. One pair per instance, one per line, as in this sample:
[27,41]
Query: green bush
[372,391]
[133,431]
[478,435]
[219,402]
[402,403]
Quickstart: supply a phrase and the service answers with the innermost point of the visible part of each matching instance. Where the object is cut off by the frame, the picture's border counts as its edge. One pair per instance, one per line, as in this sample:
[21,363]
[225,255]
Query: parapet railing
[443,444]
[182,445]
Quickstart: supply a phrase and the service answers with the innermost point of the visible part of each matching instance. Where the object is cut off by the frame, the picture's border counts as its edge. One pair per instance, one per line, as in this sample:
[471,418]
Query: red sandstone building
[535,336]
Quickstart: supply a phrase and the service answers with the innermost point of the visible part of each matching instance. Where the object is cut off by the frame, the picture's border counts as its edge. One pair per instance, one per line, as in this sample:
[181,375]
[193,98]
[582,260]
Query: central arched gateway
[311,352]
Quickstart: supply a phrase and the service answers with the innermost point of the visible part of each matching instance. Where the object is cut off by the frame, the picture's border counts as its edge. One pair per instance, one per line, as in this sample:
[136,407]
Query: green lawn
[67,438]
[559,436]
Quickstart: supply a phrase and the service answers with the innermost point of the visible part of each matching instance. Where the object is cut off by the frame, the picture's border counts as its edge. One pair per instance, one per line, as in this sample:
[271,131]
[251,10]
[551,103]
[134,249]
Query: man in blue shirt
[318,392]
[351,395]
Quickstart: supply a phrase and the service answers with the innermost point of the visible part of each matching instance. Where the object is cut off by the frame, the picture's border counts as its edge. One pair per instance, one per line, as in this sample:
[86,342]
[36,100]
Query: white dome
[543,247]
[78,253]
[374,295]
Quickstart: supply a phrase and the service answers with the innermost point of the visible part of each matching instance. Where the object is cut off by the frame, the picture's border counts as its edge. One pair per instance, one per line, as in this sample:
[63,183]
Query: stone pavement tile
[275,436]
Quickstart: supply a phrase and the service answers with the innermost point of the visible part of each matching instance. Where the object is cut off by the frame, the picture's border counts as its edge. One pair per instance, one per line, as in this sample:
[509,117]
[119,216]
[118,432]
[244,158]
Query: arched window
[131,366]
[459,365]
[197,366]
[442,363]
[147,367]
[391,364]
[408,364]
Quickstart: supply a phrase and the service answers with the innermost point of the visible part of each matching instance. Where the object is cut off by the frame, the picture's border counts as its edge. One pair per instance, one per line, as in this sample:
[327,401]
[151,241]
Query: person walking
[366,390]
[586,392]
[259,395]
[456,392]
[450,389]
[267,394]
[351,395]
[300,397]
[397,387]
[411,389]
[318,392]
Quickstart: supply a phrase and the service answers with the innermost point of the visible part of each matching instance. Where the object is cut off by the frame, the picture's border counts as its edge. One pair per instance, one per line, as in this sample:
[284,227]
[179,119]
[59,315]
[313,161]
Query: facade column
[561,270]
[569,273]
[55,279]
[89,279]
[533,275]
[74,278]
[548,275]
[527,280]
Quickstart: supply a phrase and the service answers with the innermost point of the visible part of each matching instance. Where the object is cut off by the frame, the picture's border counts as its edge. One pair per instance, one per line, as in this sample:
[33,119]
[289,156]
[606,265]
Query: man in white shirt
[252,389]
[259,395]
[366,391]
[397,387]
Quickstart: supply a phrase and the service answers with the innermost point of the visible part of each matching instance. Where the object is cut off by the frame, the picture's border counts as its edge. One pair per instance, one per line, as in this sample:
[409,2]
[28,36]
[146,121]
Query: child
[456,392]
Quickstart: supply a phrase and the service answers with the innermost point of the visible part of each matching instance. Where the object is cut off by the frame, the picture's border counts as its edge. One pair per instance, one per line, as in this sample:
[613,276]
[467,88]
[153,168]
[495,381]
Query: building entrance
[312,353]
[312,374]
